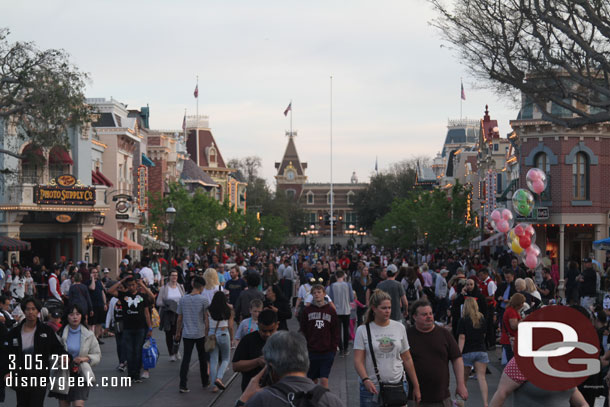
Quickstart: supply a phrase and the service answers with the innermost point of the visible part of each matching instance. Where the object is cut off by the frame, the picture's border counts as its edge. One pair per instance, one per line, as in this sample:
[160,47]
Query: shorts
[471,357]
[99,316]
[320,365]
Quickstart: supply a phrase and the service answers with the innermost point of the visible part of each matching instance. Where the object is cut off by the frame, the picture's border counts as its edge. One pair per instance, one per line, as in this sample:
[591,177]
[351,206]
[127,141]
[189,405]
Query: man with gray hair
[287,364]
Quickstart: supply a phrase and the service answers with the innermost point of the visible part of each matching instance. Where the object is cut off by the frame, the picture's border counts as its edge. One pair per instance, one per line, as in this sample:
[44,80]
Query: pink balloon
[519,231]
[506,214]
[533,250]
[533,174]
[531,261]
[503,226]
[530,230]
[538,186]
[496,215]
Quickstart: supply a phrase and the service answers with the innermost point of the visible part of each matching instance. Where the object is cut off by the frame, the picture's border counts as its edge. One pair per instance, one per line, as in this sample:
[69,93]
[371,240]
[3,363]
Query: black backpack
[411,292]
[309,398]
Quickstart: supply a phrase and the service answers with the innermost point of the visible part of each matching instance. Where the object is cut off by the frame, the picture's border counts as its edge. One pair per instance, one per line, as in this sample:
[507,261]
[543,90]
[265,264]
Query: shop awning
[499,239]
[475,243]
[32,155]
[59,155]
[147,161]
[105,240]
[102,178]
[151,242]
[603,244]
[131,245]
[14,245]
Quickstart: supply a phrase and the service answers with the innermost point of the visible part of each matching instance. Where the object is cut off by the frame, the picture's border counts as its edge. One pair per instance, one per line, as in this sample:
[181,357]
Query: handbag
[390,394]
[150,354]
[210,340]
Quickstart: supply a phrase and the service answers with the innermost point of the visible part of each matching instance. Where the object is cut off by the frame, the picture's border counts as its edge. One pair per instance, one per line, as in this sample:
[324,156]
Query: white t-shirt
[16,286]
[173,293]
[209,294]
[148,275]
[389,342]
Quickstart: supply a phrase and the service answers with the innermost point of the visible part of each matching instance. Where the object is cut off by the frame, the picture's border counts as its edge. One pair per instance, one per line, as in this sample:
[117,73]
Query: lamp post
[220,226]
[170,217]
[89,240]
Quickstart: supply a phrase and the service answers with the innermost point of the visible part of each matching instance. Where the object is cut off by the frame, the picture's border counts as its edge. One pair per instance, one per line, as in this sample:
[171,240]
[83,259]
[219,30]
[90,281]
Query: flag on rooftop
[288,109]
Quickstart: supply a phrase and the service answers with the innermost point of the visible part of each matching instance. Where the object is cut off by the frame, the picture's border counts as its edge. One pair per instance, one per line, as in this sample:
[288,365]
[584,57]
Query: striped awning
[131,245]
[499,239]
[97,178]
[14,245]
[105,240]
[147,161]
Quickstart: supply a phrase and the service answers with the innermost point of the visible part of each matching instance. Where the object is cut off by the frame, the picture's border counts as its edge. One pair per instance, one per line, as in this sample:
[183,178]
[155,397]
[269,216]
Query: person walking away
[98,304]
[249,325]
[342,295]
[396,292]
[190,327]
[212,284]
[391,349]
[248,359]
[441,291]
[433,348]
[287,279]
[219,322]
[167,301]
[471,341]
[242,308]
[588,283]
[82,345]
[320,326]
[360,285]
[136,322]
[79,295]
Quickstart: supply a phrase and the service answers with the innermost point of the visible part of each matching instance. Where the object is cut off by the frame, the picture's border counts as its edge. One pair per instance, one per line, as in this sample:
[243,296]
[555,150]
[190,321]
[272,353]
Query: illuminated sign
[63,218]
[142,187]
[51,195]
[66,181]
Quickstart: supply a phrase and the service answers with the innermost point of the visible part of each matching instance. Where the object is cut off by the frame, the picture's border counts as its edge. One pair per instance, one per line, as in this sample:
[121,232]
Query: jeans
[118,337]
[133,340]
[186,361]
[344,344]
[222,349]
[367,399]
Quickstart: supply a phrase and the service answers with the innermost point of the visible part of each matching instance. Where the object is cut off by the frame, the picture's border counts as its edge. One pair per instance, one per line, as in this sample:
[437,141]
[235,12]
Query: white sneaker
[145,375]
[178,356]
[172,358]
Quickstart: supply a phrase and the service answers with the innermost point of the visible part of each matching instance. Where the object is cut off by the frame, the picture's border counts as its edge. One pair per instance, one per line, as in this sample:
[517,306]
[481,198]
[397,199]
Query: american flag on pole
[288,109]
[463,93]
[196,92]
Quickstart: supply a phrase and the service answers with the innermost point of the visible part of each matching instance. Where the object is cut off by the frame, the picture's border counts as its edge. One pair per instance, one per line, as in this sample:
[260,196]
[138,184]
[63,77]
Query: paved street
[161,389]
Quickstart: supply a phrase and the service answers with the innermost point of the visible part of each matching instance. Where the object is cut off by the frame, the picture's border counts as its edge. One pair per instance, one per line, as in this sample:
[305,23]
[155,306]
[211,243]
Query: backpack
[310,398]
[411,292]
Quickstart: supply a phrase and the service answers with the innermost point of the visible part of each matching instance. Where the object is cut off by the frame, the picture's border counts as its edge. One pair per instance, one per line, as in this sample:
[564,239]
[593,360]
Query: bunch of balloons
[521,238]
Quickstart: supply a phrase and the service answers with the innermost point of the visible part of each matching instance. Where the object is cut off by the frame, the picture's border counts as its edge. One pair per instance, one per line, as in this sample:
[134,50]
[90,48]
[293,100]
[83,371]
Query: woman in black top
[471,340]
[275,300]
[360,285]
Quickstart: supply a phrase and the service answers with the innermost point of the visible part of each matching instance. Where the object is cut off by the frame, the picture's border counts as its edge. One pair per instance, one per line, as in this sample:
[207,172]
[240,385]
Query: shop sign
[63,218]
[539,213]
[64,190]
[121,216]
[142,187]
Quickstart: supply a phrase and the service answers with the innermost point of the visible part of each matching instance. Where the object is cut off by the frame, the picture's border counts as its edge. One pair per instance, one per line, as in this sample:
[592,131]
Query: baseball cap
[106,270]
[586,260]
[309,275]
[392,269]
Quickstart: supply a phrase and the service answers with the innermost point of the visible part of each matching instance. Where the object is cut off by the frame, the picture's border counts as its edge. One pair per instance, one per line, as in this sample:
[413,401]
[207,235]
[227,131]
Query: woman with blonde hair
[212,284]
[471,340]
[530,287]
[391,361]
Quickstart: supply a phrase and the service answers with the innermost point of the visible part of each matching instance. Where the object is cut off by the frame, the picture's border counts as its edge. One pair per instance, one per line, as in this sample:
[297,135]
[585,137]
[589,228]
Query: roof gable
[291,157]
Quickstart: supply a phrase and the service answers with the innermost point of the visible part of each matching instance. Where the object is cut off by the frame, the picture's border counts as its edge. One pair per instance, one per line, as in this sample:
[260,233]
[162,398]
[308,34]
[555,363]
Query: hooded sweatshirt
[320,326]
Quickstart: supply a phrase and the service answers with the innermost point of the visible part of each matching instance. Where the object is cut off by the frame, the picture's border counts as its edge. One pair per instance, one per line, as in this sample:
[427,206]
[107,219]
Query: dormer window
[310,198]
[350,197]
[212,156]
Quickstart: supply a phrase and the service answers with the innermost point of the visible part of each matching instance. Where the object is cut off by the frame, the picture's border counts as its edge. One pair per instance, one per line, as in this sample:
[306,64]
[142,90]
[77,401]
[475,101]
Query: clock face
[290,175]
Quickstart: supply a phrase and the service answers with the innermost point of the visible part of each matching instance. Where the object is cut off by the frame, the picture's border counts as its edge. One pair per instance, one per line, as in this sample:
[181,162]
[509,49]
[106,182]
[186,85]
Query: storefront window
[580,172]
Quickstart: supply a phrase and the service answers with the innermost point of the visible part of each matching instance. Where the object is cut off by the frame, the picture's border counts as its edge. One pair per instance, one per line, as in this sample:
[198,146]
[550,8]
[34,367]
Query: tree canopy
[41,92]
[554,52]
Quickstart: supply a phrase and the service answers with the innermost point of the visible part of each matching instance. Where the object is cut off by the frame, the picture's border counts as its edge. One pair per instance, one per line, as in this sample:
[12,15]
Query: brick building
[577,164]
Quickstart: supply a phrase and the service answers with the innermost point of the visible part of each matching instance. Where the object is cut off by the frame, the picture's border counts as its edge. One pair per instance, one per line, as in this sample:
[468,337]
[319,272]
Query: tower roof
[291,157]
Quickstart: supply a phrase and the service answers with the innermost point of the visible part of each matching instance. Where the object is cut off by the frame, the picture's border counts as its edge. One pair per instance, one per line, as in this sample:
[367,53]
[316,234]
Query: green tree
[41,93]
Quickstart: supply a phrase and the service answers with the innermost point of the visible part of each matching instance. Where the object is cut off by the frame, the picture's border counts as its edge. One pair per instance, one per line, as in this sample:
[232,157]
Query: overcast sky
[394,86]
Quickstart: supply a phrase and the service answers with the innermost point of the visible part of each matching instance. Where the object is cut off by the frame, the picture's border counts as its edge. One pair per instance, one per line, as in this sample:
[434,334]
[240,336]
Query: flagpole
[461,98]
[291,118]
[332,197]
[184,126]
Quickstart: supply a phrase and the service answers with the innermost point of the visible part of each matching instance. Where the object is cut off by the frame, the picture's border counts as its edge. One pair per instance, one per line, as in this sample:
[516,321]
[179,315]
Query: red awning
[102,178]
[14,245]
[105,240]
[59,155]
[32,155]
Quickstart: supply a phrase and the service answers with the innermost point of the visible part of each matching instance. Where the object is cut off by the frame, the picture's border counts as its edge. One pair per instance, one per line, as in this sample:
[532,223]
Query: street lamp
[170,217]
[220,226]
[89,240]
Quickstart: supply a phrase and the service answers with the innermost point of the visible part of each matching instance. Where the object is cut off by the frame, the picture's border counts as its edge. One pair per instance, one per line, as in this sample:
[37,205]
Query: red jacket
[320,326]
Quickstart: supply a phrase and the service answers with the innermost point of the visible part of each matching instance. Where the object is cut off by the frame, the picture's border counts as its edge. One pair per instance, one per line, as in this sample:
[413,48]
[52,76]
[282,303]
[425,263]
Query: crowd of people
[406,316]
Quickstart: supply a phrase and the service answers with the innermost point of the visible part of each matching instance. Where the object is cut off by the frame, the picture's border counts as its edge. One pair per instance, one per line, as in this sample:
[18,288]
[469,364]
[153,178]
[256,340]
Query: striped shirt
[192,307]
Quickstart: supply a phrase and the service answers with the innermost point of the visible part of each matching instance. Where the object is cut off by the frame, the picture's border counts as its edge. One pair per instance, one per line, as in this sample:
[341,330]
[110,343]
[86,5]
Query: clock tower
[290,176]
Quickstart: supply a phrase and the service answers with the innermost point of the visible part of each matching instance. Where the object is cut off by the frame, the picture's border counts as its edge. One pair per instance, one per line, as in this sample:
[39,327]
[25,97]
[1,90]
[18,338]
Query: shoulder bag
[390,394]
[210,340]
